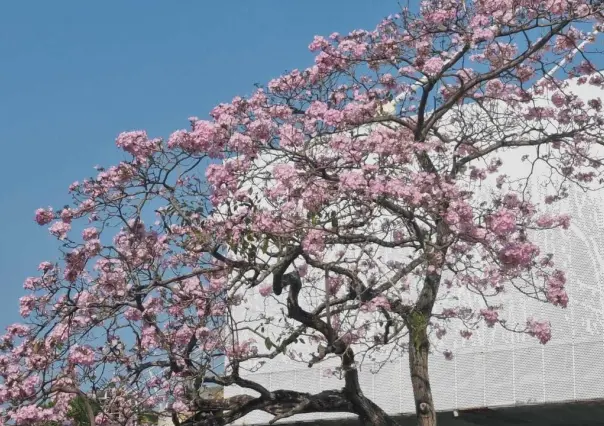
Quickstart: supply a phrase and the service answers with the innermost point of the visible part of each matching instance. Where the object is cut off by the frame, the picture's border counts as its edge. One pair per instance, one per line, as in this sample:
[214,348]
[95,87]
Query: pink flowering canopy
[358,194]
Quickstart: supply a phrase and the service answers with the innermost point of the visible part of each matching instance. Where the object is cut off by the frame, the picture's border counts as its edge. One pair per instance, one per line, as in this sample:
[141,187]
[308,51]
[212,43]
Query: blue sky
[74,74]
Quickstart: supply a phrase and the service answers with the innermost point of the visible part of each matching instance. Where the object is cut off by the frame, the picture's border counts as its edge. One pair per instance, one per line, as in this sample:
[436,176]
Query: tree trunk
[419,346]
[372,415]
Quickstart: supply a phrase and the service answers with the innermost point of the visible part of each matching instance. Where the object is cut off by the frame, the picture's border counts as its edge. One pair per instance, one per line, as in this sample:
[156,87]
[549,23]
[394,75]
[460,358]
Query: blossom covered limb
[311,214]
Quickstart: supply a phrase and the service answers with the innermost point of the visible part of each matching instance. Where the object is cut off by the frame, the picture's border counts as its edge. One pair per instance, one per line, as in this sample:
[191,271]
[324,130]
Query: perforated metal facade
[498,368]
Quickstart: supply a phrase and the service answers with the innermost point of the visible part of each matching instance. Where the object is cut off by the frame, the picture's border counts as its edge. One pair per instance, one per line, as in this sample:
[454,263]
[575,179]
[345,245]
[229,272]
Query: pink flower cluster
[490,316]
[555,291]
[82,355]
[44,216]
[320,165]
[542,330]
[137,144]
[378,302]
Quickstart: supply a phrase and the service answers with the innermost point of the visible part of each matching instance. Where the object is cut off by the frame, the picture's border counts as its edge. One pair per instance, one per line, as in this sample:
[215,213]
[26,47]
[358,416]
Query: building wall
[495,368]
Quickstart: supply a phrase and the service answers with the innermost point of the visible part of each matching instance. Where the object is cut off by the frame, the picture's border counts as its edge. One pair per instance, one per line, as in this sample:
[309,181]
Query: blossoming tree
[386,143]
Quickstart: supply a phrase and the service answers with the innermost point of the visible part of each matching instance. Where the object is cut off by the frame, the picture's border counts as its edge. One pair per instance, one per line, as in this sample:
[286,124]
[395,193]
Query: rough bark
[369,413]
[281,404]
[419,347]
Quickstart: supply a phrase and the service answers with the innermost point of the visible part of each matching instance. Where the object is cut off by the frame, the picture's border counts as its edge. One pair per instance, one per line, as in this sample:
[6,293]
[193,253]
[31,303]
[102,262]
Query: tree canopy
[361,194]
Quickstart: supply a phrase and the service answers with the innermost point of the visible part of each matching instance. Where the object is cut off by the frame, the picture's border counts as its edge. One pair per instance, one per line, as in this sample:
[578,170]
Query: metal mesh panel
[558,359]
[329,380]
[498,368]
[387,386]
[307,380]
[525,375]
[528,376]
[589,360]
[499,381]
[443,377]
[469,369]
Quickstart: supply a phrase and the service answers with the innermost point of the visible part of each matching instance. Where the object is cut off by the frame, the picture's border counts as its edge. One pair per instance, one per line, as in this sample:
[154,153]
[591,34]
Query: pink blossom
[554,288]
[466,334]
[482,34]
[133,314]
[82,355]
[32,283]
[205,137]
[203,333]
[27,305]
[67,215]
[518,254]
[183,335]
[596,104]
[559,99]
[353,181]
[440,331]
[490,316]
[550,221]
[333,117]
[503,222]
[317,141]
[542,330]
[149,339]
[90,234]
[334,284]
[355,48]
[242,349]
[317,109]
[137,144]
[219,175]
[20,330]
[314,242]
[241,143]
[261,129]
[75,261]
[318,43]
[290,136]
[179,407]
[45,266]
[60,229]
[44,216]
[265,290]
[285,173]
[433,65]
[288,82]
[568,40]
[378,302]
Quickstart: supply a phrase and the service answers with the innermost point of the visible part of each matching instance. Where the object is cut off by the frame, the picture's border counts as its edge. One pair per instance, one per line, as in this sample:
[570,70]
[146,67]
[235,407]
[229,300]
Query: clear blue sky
[74,74]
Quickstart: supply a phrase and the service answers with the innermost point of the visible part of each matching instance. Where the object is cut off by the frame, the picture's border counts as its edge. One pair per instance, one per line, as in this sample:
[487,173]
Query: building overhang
[584,413]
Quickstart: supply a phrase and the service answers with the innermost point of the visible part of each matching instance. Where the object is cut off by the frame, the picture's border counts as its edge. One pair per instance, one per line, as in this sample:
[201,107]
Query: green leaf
[268,343]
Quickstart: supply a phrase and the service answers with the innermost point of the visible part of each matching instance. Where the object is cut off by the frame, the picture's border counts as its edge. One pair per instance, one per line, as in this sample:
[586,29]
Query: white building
[495,369]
